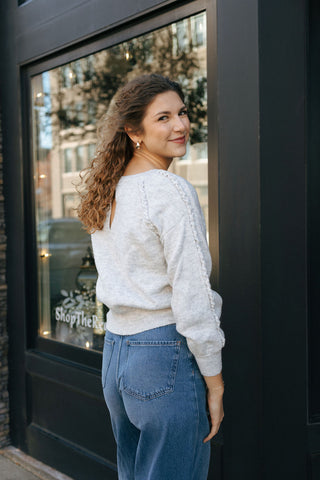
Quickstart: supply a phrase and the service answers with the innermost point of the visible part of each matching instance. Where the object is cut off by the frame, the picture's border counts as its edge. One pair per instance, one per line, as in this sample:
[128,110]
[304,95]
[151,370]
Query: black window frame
[89,359]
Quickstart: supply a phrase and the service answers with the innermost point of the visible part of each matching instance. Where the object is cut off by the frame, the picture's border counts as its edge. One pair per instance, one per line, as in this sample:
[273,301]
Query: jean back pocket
[151,368]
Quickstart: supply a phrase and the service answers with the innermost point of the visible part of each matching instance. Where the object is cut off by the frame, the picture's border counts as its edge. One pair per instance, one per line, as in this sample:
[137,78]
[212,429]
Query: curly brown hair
[115,148]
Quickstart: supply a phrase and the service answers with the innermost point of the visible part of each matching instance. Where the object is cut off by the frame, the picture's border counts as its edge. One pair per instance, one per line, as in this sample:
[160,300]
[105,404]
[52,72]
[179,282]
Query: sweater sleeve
[196,307]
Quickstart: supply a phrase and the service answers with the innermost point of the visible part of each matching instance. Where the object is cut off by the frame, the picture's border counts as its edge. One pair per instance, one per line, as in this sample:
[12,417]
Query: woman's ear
[133,136]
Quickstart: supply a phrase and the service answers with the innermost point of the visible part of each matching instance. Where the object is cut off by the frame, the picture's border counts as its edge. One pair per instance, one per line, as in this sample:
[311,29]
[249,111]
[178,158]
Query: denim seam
[197,408]
[104,379]
[117,366]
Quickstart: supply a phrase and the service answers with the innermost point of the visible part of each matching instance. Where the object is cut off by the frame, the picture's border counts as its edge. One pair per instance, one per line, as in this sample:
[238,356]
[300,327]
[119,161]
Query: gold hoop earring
[137,145]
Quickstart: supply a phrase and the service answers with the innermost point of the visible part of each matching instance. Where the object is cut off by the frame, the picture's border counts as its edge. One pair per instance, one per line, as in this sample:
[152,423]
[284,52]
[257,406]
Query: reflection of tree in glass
[156,52]
[198,111]
[105,72]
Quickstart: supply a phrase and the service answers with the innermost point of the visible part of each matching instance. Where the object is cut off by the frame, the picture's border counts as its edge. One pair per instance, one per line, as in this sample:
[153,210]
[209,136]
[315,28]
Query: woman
[163,341]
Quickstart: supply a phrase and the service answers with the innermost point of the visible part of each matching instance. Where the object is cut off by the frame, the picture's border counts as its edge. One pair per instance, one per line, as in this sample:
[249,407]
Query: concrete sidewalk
[16,465]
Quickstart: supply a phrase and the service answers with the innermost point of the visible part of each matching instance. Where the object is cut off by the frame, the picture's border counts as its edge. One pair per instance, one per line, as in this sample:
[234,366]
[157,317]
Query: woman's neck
[143,160]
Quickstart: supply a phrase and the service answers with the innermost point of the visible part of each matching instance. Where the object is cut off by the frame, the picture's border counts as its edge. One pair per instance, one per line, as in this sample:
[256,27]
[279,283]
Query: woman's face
[166,126]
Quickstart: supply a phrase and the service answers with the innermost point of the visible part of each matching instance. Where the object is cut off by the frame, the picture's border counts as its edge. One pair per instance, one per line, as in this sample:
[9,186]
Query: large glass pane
[66,103]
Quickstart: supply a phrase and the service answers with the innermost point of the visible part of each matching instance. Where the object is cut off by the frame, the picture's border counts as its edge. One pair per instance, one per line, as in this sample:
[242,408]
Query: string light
[45,254]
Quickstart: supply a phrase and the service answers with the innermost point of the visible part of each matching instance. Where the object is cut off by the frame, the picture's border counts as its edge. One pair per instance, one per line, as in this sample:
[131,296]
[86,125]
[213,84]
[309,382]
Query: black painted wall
[283,133]
[238,106]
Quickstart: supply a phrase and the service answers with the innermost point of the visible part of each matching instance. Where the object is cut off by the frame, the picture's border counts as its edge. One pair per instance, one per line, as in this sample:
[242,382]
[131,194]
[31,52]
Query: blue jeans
[156,397]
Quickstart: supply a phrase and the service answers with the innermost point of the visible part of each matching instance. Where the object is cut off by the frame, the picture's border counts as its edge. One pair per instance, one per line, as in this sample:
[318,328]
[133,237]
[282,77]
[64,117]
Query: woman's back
[154,263]
[129,256]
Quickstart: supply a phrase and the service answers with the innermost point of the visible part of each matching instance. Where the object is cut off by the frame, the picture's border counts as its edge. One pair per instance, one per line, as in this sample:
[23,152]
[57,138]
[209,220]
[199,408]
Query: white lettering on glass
[77,318]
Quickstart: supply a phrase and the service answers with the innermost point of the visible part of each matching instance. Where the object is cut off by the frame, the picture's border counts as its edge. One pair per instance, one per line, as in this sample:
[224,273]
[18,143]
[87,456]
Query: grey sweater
[154,264]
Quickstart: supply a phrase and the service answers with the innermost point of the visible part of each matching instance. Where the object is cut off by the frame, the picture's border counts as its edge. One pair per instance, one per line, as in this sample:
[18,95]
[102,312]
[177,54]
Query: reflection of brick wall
[4,397]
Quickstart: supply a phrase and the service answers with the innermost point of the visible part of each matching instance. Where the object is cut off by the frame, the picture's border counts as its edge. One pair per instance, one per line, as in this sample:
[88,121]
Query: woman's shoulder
[169,197]
[170,186]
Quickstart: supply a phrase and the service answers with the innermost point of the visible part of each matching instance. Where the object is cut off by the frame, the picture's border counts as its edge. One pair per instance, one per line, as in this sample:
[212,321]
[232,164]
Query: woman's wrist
[215,383]
[217,391]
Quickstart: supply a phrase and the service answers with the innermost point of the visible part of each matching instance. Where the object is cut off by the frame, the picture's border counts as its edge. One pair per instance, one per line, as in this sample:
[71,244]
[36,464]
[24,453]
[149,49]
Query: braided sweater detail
[205,277]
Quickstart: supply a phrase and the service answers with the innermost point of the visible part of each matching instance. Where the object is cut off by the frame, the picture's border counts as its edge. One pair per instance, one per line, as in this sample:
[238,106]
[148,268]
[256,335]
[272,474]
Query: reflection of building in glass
[73,116]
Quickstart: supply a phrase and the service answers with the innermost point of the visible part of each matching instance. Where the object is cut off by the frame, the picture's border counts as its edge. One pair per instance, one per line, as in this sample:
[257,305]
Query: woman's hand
[215,403]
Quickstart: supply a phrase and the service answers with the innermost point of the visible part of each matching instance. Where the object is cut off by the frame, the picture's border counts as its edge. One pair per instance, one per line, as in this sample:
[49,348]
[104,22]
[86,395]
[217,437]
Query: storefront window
[66,103]
[67,160]
[81,162]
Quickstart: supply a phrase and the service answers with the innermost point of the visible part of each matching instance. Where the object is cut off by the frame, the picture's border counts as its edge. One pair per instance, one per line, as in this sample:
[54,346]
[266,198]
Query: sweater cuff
[210,365]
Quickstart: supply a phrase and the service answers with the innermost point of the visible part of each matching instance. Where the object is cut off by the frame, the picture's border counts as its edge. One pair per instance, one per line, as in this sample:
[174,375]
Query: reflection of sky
[45,127]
